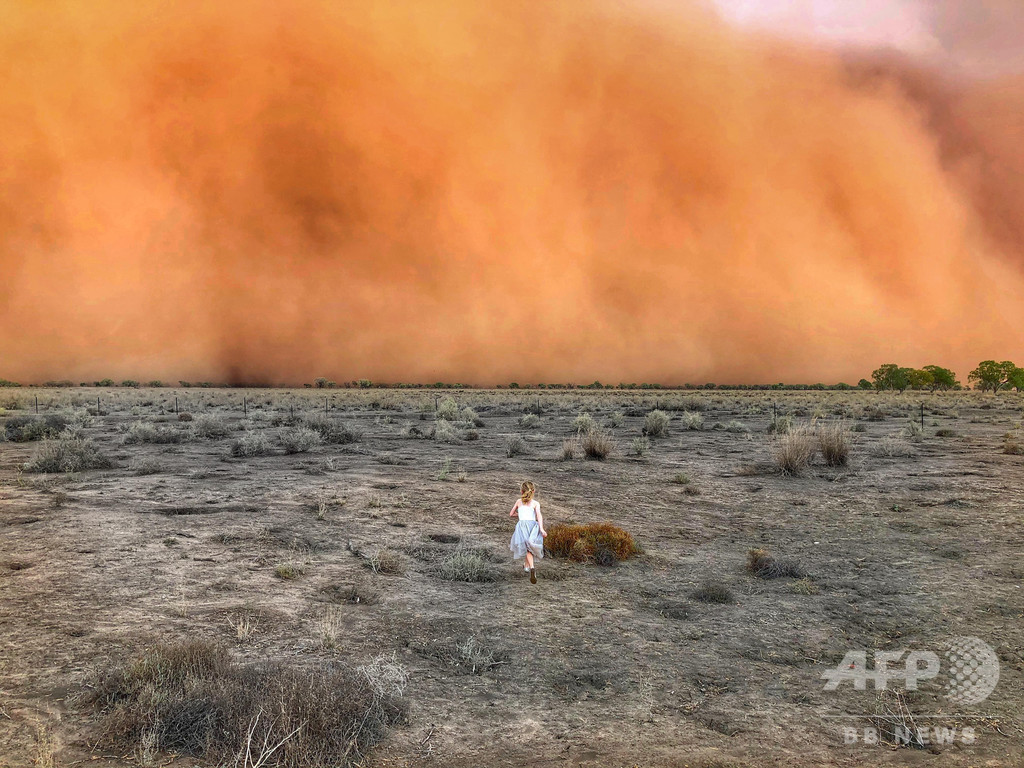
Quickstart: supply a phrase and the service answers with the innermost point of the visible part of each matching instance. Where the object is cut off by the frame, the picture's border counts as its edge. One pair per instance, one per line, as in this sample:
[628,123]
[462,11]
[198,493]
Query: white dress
[527,535]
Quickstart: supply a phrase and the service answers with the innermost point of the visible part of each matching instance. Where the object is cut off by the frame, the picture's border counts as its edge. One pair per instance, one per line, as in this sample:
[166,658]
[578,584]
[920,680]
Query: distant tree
[513,385]
[332,385]
[942,378]
[320,382]
[155,383]
[890,376]
[185,384]
[865,384]
[365,383]
[6,383]
[992,375]
[1016,379]
[918,378]
[105,383]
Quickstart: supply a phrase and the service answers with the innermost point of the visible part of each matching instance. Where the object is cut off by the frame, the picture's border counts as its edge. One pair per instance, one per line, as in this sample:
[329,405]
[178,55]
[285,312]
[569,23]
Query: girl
[528,537]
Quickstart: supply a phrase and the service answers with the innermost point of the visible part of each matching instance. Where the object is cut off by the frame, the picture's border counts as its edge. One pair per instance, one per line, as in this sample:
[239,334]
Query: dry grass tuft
[835,442]
[764,565]
[193,698]
[656,424]
[794,451]
[596,444]
[713,592]
[601,543]
[387,561]
[68,455]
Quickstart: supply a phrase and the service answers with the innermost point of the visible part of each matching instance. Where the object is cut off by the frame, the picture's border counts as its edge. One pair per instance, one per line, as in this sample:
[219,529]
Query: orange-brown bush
[602,543]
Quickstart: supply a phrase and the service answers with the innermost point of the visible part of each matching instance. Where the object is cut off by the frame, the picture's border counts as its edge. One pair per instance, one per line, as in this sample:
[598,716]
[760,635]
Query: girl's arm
[540,521]
[513,512]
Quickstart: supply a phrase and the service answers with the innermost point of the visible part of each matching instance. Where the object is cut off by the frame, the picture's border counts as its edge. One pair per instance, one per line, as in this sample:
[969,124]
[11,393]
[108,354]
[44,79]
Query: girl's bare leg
[529,559]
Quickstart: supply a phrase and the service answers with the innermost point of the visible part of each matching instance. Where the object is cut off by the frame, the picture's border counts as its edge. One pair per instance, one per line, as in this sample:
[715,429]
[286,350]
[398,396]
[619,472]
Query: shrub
[874,413]
[616,420]
[835,442]
[764,565]
[780,425]
[252,443]
[514,446]
[584,423]
[184,417]
[448,409]
[300,439]
[287,571]
[682,478]
[444,432]
[68,455]
[1012,444]
[146,466]
[713,592]
[736,426]
[470,417]
[596,444]
[529,420]
[209,426]
[569,450]
[913,431]
[467,565]
[331,431]
[692,420]
[656,424]
[582,543]
[794,451]
[640,446]
[387,561]
[693,403]
[141,432]
[892,446]
[24,429]
[193,698]
[804,587]
[945,432]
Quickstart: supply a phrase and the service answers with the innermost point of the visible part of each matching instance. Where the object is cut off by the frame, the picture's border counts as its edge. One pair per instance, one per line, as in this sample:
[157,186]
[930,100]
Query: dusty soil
[593,665]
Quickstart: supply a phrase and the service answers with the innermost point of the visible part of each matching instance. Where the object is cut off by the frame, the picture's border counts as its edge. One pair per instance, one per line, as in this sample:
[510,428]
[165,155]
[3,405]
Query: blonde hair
[528,489]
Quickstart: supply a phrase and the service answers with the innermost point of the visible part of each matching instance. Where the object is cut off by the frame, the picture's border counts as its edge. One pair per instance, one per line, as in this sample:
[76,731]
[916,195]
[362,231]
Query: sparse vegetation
[387,561]
[514,446]
[794,451]
[713,592]
[68,455]
[25,429]
[300,439]
[764,565]
[583,424]
[835,442]
[640,446]
[210,426]
[252,443]
[596,444]
[692,420]
[468,565]
[193,698]
[656,424]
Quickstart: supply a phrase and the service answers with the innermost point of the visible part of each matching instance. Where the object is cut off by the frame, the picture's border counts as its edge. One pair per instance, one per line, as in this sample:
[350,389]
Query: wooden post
[291,411]
[245,408]
[97,405]
[37,403]
[922,418]
[436,398]
[775,414]
[325,406]
[175,404]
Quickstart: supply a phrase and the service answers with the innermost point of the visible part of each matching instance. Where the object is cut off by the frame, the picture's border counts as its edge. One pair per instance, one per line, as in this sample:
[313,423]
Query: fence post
[175,405]
[245,408]
[37,403]
[325,406]
[922,418]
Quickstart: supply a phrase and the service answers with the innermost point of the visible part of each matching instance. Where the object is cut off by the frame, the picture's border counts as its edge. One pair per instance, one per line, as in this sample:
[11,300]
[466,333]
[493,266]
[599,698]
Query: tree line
[988,375]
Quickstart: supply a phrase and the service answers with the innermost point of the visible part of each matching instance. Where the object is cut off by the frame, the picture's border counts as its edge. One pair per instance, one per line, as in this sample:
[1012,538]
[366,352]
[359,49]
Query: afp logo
[971,669]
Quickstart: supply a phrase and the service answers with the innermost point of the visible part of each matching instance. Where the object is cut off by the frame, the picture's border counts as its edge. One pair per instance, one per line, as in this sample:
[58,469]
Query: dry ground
[912,543]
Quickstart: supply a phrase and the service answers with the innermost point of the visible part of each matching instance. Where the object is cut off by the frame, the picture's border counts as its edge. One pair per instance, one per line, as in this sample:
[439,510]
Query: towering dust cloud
[265,192]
